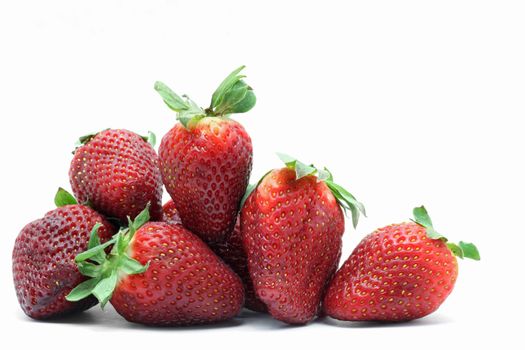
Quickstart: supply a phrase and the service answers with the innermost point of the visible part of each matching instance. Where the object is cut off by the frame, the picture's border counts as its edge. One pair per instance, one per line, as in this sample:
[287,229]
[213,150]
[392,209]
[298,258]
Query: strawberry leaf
[470,250]
[89,269]
[104,289]
[93,252]
[140,219]
[131,266]
[83,290]
[187,110]
[63,197]
[347,201]
[456,250]
[461,250]
[95,241]
[172,100]
[151,138]
[289,161]
[421,216]
[233,95]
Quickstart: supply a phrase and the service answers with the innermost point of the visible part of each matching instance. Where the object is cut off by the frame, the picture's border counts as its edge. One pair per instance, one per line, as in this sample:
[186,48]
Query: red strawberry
[117,172]
[397,273]
[160,274]
[44,270]
[170,214]
[206,159]
[292,225]
[232,252]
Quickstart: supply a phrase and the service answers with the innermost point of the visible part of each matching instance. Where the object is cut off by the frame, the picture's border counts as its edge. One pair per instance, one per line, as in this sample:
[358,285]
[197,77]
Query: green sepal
[140,219]
[192,115]
[63,197]
[172,100]
[345,199]
[456,250]
[461,250]
[83,290]
[94,240]
[187,110]
[301,169]
[104,288]
[94,252]
[233,95]
[324,175]
[470,250]
[131,266]
[88,269]
[106,269]
[151,138]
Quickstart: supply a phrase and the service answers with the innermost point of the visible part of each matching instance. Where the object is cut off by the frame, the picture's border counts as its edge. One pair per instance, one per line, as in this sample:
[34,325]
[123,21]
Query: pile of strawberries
[220,243]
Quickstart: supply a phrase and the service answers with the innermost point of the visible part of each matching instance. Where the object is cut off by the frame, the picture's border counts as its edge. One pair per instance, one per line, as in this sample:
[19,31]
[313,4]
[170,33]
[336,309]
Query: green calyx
[345,199]
[63,198]
[461,249]
[104,269]
[151,138]
[232,96]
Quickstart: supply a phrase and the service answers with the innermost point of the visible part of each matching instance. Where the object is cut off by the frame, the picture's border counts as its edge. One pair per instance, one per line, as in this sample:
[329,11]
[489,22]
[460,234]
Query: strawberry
[160,274]
[170,214]
[292,225]
[44,270]
[232,252]
[116,171]
[397,273]
[206,159]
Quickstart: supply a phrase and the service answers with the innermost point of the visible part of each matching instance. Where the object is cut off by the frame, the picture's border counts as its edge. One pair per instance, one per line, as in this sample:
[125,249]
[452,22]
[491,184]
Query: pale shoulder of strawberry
[461,249]
[344,198]
[232,96]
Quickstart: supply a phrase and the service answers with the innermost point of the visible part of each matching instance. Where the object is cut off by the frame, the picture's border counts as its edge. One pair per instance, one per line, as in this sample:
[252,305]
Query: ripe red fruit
[117,172]
[292,225]
[206,159]
[397,273]
[44,270]
[232,252]
[160,274]
[170,214]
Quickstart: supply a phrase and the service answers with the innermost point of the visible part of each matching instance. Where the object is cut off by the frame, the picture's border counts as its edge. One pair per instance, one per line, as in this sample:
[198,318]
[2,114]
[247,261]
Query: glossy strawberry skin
[170,214]
[232,252]
[186,283]
[292,234]
[206,172]
[117,173]
[44,270]
[396,273]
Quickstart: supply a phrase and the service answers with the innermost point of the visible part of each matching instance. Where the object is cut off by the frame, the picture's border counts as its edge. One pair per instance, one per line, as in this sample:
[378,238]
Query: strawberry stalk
[105,269]
[461,249]
[232,96]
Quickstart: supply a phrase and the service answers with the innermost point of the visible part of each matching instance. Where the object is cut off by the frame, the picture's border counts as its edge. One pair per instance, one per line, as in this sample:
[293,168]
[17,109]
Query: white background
[407,102]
